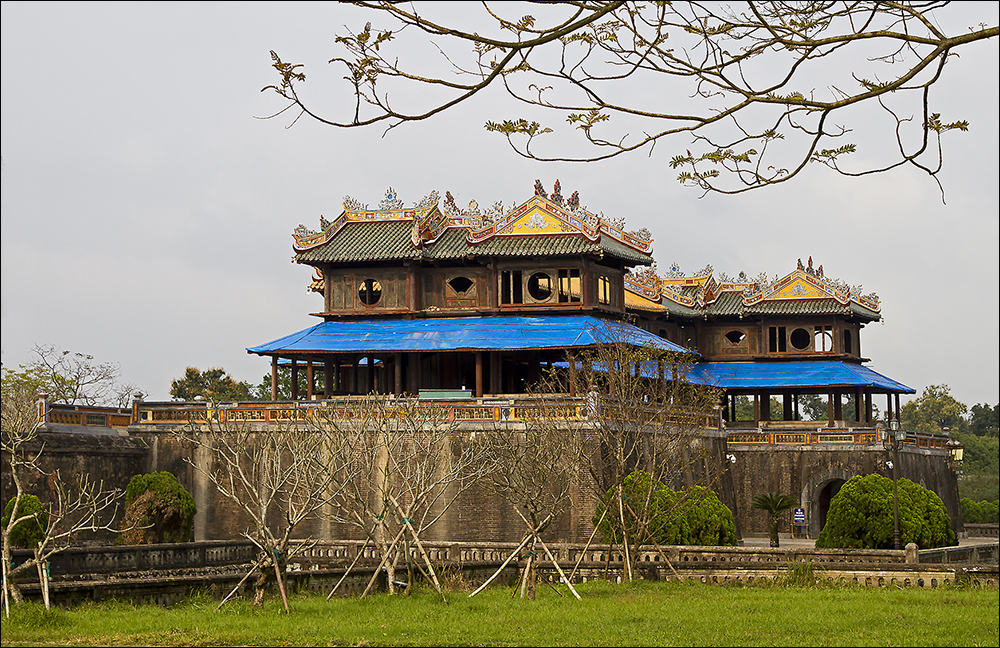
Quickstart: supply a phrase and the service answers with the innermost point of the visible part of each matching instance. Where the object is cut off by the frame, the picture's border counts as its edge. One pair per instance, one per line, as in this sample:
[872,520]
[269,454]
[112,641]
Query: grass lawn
[636,614]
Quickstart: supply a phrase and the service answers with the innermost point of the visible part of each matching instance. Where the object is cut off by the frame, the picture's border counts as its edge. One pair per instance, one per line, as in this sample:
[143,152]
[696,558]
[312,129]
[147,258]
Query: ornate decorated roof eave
[530,218]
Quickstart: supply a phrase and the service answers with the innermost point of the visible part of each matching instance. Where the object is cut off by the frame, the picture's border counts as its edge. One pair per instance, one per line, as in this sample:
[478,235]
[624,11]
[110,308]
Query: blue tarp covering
[762,375]
[462,333]
[802,375]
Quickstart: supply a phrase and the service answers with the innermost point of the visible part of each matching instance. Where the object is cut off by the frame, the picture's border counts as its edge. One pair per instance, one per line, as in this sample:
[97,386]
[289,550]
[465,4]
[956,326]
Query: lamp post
[898,436]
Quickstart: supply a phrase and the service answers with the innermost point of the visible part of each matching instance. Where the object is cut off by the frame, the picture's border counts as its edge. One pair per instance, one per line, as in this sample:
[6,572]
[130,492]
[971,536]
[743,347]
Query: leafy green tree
[775,504]
[934,411]
[861,516]
[984,420]
[157,509]
[27,533]
[693,516]
[212,384]
[744,409]
[262,390]
[983,512]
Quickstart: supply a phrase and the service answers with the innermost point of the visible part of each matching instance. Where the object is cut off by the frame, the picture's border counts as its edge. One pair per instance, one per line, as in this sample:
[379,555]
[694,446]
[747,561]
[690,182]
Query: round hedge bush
[157,509]
[693,516]
[860,516]
[29,533]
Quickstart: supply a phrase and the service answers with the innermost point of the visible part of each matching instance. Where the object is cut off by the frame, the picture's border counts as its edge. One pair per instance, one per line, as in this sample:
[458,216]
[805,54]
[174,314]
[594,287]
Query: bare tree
[535,471]
[278,475]
[72,510]
[645,416]
[758,89]
[410,463]
[72,378]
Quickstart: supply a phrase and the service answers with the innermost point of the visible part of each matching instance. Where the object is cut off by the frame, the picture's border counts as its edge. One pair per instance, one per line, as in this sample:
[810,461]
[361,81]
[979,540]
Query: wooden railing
[512,408]
[50,414]
[809,434]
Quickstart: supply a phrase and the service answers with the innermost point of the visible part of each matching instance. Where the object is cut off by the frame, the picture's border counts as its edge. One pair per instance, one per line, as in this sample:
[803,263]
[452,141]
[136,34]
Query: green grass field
[637,614]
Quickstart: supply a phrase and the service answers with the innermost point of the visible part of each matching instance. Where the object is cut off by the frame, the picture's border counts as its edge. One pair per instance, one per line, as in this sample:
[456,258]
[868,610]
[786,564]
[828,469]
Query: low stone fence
[163,574]
[77,561]
[982,530]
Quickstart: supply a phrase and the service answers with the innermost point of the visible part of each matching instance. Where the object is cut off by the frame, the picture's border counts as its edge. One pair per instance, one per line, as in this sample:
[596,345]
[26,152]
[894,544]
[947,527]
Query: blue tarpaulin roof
[500,333]
[802,375]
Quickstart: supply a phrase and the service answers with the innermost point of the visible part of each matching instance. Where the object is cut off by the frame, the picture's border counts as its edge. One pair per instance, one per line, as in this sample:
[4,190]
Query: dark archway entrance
[825,495]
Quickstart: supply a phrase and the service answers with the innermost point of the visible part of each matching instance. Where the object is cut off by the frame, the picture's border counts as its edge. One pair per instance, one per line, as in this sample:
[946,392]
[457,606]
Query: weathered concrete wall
[111,458]
[811,473]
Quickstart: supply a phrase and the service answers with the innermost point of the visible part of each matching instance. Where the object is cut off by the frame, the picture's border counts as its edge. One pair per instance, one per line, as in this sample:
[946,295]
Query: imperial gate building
[467,306]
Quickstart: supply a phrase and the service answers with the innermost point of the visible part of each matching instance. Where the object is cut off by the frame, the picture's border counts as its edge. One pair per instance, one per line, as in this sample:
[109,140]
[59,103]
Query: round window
[540,286]
[460,284]
[370,292]
[735,337]
[801,339]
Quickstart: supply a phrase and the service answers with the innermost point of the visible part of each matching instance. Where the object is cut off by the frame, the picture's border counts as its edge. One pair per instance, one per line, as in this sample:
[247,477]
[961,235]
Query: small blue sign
[799,515]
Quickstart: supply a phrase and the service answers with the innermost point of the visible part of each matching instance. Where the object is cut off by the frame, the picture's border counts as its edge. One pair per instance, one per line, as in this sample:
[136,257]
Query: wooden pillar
[897,409]
[787,413]
[857,405]
[756,409]
[479,374]
[397,366]
[274,378]
[295,380]
[328,377]
[310,376]
[868,408]
[371,386]
[795,405]
[765,406]
[572,376]
[495,373]
[888,407]
[829,408]
[838,406]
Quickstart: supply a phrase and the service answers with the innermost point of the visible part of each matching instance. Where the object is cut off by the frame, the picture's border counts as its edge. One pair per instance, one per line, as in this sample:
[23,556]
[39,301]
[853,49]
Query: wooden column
[787,412]
[397,365]
[495,383]
[572,376]
[838,406]
[370,382]
[328,377]
[765,406]
[756,409]
[888,407]
[295,380]
[829,409]
[310,380]
[868,408]
[274,378]
[479,374]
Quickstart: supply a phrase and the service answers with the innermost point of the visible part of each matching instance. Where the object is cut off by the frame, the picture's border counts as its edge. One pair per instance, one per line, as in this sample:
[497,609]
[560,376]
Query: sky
[147,209]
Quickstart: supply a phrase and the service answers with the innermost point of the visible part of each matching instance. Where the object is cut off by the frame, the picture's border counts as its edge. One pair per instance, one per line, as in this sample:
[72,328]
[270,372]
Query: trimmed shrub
[693,516]
[28,533]
[860,516]
[157,509]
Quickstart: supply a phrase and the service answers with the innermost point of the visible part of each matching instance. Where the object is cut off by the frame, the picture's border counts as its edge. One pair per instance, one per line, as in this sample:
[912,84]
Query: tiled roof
[800,307]
[378,241]
[729,302]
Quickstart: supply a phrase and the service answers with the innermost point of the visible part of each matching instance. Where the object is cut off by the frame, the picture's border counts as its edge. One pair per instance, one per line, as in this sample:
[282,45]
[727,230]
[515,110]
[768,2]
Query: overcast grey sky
[147,215]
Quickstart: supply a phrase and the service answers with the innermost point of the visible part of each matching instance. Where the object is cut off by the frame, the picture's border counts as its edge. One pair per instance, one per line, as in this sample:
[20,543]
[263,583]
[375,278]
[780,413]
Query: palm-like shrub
[775,504]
